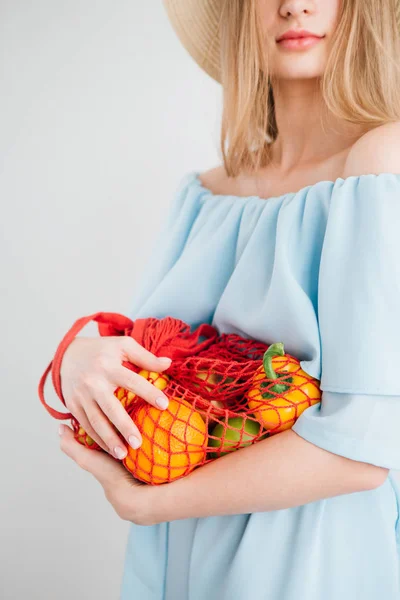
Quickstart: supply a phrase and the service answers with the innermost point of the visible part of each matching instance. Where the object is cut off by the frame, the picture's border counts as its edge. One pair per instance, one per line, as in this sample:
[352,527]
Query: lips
[299,43]
[292,34]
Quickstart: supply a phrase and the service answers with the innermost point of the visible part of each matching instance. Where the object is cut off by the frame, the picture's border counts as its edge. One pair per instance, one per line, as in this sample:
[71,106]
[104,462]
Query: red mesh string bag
[225,392]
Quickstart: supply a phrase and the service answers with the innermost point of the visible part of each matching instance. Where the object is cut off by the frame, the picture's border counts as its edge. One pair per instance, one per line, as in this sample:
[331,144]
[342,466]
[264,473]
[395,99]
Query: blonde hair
[361,81]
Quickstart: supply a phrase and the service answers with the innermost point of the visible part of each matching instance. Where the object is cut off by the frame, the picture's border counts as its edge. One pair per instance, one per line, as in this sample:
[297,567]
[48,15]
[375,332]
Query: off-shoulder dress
[319,270]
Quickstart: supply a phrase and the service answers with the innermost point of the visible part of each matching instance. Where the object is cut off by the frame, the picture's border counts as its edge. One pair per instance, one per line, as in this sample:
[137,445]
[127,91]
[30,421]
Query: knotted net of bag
[225,392]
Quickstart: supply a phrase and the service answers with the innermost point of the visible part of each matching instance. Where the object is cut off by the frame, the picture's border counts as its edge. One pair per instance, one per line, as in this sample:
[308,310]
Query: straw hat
[196,23]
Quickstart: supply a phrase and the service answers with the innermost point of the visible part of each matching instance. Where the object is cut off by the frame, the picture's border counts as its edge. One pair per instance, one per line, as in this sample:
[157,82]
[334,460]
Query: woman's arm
[278,472]
[284,470]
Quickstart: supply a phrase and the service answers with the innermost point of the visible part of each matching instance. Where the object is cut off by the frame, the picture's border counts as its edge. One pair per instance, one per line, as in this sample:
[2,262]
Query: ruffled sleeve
[359,322]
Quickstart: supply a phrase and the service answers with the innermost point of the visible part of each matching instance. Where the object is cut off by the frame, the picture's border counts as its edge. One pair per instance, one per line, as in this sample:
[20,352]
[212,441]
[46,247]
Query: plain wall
[102,112]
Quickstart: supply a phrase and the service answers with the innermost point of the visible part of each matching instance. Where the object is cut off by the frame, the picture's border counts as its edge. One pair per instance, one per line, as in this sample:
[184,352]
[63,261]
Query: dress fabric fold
[318,270]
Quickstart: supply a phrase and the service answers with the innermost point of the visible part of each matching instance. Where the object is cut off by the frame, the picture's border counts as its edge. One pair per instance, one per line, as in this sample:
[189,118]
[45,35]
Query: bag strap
[108,323]
[174,340]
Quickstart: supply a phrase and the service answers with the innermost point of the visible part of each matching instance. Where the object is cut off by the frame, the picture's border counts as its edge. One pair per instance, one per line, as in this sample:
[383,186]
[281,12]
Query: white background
[102,112]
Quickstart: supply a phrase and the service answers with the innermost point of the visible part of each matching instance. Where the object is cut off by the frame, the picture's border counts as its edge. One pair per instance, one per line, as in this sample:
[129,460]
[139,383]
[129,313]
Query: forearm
[278,472]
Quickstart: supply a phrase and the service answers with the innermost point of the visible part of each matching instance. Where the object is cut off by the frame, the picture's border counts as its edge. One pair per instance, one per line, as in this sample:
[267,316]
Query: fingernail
[61,429]
[162,402]
[120,452]
[165,360]
[134,442]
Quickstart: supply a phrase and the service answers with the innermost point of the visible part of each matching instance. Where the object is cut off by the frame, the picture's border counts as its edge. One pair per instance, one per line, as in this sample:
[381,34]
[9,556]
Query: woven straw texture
[196,23]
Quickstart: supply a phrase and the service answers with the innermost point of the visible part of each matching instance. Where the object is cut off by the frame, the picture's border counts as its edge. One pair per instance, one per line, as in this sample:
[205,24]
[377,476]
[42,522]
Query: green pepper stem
[274,350]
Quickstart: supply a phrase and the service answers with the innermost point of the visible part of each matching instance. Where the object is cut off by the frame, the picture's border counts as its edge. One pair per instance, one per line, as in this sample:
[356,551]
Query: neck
[308,133]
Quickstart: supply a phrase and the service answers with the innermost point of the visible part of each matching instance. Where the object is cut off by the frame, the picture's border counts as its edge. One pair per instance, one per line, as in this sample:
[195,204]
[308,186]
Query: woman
[294,239]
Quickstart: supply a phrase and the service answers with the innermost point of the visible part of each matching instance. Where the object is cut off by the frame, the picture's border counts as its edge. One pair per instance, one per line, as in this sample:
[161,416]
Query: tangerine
[159,380]
[174,441]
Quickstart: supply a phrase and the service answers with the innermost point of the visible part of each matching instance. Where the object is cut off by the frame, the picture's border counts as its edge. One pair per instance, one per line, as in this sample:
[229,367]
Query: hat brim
[196,23]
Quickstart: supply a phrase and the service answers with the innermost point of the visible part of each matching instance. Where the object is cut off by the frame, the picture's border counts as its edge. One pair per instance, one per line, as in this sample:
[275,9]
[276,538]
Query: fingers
[97,426]
[139,385]
[83,420]
[106,412]
[94,404]
[138,355]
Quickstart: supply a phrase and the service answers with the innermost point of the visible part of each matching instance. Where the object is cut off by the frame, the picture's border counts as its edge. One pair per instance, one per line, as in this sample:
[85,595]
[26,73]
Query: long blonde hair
[361,81]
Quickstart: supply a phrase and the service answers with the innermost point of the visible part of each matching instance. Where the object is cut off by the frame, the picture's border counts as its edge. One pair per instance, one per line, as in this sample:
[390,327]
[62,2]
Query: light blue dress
[319,270]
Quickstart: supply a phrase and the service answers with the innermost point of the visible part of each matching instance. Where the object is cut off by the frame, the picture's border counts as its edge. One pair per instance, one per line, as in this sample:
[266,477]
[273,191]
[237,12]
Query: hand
[91,370]
[129,497]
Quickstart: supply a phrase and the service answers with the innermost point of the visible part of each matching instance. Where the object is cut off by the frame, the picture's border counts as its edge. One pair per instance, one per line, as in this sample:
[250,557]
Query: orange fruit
[84,438]
[159,380]
[174,441]
[126,397]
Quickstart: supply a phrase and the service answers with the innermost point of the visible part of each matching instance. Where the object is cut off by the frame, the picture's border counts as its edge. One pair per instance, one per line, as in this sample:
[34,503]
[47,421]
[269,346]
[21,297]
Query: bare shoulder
[377,151]
[218,182]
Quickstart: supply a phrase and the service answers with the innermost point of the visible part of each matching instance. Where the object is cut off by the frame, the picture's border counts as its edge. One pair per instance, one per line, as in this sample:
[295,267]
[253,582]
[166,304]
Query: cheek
[329,14]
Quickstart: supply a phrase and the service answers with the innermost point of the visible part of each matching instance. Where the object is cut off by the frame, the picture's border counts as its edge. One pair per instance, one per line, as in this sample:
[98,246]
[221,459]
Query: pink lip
[296,33]
[299,43]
